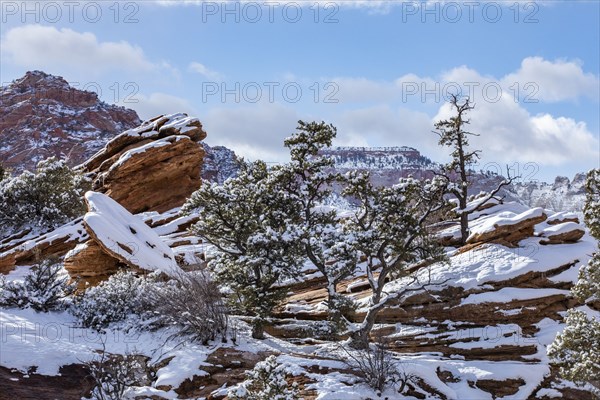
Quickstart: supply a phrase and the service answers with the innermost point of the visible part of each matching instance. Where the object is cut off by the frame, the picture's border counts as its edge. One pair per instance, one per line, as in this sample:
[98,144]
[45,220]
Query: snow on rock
[563,216]
[154,167]
[485,229]
[506,223]
[22,250]
[152,129]
[126,237]
[506,295]
[564,232]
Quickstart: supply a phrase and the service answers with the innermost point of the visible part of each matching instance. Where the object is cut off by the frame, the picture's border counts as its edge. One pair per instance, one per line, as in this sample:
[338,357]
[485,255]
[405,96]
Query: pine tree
[389,229]
[577,349]
[247,221]
[43,200]
[452,134]
[306,182]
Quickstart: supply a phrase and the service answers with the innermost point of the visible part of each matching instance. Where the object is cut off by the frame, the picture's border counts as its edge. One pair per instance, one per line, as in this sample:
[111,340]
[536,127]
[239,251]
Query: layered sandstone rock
[566,232]
[117,239]
[154,167]
[493,305]
[44,116]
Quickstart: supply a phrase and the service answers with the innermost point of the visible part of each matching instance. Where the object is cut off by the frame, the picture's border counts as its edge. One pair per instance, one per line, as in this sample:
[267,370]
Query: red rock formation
[154,167]
[43,116]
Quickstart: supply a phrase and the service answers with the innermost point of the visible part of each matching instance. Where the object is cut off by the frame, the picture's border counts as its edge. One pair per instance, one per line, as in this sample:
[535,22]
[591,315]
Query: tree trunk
[258,328]
[464,227]
[359,339]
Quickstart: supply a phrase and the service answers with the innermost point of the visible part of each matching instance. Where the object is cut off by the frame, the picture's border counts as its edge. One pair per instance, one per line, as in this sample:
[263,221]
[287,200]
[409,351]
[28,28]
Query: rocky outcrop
[566,232]
[117,239]
[43,116]
[494,304]
[506,228]
[26,249]
[154,167]
[89,264]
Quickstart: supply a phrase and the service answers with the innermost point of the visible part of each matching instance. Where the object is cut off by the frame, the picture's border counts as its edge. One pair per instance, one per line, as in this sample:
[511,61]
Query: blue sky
[378,70]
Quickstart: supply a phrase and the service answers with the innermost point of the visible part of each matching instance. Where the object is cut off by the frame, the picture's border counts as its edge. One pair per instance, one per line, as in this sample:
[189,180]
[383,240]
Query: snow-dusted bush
[375,366]
[122,295]
[267,381]
[114,375]
[43,289]
[592,204]
[193,304]
[50,197]
[577,349]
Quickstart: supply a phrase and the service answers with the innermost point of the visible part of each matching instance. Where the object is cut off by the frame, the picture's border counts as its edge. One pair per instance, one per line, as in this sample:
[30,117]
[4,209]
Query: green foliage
[43,289]
[389,230]
[50,197]
[267,381]
[592,205]
[306,182]
[587,288]
[247,220]
[452,134]
[577,349]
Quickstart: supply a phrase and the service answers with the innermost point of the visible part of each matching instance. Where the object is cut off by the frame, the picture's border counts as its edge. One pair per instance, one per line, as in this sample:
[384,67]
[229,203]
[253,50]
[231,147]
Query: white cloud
[509,133]
[255,132]
[46,47]
[203,70]
[557,80]
[383,126]
[160,103]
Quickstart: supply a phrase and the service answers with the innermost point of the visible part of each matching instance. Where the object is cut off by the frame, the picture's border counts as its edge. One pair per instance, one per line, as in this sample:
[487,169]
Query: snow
[558,229]
[509,294]
[127,235]
[562,215]
[488,224]
[494,262]
[142,149]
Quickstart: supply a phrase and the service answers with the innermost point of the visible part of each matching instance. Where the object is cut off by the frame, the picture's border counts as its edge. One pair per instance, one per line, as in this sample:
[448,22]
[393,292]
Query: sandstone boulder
[562,217]
[90,264]
[506,226]
[126,237]
[566,232]
[153,167]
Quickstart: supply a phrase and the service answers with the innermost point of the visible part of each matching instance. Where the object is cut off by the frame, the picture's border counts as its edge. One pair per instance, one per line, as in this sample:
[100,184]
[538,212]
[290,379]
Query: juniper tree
[51,196]
[389,229]
[452,133]
[247,221]
[306,182]
[577,349]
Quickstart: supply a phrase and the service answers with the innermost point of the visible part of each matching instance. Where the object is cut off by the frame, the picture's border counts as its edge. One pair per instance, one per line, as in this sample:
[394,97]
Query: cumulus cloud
[254,132]
[383,125]
[557,80]
[509,133]
[46,47]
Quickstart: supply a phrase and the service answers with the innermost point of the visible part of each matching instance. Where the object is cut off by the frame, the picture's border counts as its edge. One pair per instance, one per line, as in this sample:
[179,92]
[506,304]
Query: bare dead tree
[452,133]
